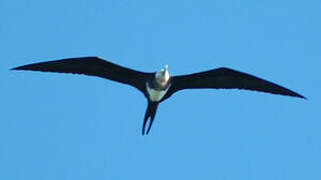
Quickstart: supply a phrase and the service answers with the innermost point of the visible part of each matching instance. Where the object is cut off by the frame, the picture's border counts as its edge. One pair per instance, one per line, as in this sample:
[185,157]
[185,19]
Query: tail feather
[150,112]
[147,114]
[152,116]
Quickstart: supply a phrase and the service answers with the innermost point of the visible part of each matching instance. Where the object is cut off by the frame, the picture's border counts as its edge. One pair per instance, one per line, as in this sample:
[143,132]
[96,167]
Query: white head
[162,76]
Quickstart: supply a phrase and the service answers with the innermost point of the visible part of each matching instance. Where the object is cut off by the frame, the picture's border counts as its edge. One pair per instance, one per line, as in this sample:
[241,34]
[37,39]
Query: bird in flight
[160,85]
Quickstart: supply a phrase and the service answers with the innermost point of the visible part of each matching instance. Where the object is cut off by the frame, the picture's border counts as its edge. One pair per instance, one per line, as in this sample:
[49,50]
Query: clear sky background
[62,126]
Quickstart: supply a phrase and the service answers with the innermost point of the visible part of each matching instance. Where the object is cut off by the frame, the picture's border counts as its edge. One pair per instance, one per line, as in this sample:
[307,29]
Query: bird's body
[159,86]
[155,94]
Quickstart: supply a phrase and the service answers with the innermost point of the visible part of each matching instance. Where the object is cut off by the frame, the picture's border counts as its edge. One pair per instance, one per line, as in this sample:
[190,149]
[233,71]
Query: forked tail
[150,112]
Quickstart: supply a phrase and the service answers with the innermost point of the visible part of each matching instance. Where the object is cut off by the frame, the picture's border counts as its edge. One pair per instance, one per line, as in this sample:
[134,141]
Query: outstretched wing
[226,78]
[93,66]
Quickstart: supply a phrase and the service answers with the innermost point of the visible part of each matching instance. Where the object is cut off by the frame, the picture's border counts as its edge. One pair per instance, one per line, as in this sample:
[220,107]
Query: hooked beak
[165,68]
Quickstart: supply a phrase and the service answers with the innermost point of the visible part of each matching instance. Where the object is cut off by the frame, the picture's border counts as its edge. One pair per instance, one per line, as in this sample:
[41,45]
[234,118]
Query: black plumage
[220,78]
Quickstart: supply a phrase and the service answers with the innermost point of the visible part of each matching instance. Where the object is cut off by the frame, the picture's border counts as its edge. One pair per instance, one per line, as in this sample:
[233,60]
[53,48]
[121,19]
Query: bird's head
[162,76]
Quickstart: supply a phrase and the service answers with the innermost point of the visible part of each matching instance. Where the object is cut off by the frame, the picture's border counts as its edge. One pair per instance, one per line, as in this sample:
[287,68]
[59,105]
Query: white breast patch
[156,95]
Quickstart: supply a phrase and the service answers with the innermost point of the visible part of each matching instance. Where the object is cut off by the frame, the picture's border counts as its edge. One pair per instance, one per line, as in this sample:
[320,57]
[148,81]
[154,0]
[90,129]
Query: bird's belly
[156,95]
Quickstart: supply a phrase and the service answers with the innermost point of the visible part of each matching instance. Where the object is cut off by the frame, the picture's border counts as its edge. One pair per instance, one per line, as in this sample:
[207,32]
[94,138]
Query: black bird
[159,85]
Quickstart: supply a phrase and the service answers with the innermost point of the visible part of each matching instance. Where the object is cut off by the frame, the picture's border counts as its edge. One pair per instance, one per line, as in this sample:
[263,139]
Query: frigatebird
[158,86]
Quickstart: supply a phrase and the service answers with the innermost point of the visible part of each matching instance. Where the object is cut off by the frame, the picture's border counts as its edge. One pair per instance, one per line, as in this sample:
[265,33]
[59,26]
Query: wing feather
[225,78]
[92,66]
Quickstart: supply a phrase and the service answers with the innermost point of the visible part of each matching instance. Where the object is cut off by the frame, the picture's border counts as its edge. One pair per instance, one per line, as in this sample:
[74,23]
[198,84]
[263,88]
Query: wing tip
[30,67]
[18,68]
[302,97]
[295,94]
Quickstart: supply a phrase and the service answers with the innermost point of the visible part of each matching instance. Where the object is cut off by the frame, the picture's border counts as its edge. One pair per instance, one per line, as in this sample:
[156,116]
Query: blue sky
[57,126]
